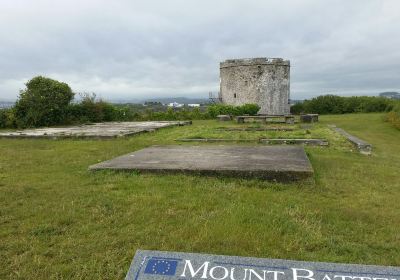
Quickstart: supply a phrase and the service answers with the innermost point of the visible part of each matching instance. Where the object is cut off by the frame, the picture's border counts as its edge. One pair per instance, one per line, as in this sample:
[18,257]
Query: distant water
[4,105]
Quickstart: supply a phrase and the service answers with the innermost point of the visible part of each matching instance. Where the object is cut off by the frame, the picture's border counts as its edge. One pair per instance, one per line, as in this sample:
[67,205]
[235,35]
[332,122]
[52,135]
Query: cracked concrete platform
[278,163]
[96,130]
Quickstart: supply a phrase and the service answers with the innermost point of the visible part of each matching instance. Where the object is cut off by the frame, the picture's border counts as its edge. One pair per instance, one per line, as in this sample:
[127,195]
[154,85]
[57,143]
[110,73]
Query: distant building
[194,105]
[175,105]
[152,103]
[262,81]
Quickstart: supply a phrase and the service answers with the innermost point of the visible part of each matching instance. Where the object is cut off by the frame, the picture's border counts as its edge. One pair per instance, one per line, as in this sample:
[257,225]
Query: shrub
[44,102]
[222,109]
[92,110]
[394,116]
[3,119]
[377,104]
[325,104]
[332,104]
[250,109]
[7,119]
[297,108]
[171,114]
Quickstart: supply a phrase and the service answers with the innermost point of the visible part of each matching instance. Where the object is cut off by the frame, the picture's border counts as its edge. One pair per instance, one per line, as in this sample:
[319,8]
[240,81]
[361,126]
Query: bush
[394,116]
[171,114]
[92,110]
[332,104]
[249,109]
[44,102]
[325,104]
[297,108]
[222,109]
[7,119]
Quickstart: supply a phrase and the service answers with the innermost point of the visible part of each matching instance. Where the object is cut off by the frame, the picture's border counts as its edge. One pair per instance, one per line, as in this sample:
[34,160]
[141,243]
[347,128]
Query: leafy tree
[44,102]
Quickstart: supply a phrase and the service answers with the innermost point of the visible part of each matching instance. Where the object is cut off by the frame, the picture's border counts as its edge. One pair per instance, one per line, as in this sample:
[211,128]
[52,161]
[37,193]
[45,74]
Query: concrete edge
[276,176]
[310,142]
[362,146]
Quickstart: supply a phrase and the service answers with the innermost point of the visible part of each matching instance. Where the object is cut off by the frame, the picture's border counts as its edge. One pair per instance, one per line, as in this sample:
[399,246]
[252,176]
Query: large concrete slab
[281,163]
[96,130]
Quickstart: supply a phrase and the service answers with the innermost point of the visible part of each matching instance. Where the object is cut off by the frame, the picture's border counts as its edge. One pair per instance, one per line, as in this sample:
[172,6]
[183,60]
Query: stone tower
[262,81]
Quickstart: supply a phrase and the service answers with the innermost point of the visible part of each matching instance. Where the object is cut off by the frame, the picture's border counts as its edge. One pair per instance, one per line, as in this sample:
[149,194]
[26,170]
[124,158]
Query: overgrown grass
[216,130]
[59,221]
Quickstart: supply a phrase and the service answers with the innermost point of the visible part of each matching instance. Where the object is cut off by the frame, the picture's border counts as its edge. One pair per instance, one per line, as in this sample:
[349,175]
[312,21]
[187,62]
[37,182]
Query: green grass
[212,131]
[215,130]
[59,221]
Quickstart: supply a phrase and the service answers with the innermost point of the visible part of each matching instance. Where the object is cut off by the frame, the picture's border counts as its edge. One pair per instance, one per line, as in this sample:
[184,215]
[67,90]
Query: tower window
[234,95]
[259,70]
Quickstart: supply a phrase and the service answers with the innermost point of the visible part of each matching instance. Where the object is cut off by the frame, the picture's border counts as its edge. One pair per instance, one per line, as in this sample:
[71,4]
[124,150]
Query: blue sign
[161,266]
[155,265]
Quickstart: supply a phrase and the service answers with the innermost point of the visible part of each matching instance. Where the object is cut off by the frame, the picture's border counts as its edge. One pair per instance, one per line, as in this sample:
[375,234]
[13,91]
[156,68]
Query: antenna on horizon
[214,99]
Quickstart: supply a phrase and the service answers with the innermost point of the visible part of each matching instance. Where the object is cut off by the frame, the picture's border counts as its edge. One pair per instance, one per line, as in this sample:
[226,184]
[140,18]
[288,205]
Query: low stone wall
[255,129]
[362,146]
[310,142]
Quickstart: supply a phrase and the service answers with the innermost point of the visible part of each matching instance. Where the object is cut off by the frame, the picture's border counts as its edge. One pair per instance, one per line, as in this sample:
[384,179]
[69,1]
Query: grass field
[59,221]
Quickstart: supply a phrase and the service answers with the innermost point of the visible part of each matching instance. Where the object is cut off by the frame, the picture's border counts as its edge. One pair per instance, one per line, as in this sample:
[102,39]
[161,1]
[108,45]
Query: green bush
[249,109]
[3,119]
[223,109]
[332,104]
[325,104]
[172,114]
[44,102]
[7,119]
[394,116]
[91,110]
[297,108]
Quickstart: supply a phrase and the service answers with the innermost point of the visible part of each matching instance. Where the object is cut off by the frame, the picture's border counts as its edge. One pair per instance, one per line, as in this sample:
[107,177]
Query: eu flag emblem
[161,266]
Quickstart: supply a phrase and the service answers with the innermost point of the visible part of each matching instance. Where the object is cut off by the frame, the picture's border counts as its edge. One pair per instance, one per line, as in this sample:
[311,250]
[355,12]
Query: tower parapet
[254,61]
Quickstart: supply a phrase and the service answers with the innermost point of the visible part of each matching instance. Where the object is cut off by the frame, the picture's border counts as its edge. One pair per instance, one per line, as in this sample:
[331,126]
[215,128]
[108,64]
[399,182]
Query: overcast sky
[126,49]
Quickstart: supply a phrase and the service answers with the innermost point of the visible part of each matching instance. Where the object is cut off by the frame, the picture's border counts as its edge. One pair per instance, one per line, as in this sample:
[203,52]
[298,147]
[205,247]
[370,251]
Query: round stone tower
[262,81]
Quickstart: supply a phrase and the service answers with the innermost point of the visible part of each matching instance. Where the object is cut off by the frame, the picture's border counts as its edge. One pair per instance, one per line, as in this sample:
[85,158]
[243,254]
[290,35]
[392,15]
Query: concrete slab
[96,130]
[362,146]
[280,163]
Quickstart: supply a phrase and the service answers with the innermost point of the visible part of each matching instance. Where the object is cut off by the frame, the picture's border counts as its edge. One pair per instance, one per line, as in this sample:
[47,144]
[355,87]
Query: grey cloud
[135,49]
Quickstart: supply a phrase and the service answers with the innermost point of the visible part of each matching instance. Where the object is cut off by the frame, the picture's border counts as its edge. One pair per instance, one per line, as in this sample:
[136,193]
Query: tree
[44,102]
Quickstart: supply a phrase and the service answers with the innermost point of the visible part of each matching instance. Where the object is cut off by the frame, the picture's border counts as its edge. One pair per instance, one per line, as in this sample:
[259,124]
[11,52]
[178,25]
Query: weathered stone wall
[263,81]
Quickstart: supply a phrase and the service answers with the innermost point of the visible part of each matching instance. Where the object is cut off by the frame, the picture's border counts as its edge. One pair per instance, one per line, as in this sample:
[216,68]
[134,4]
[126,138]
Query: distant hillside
[295,101]
[390,94]
[6,104]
